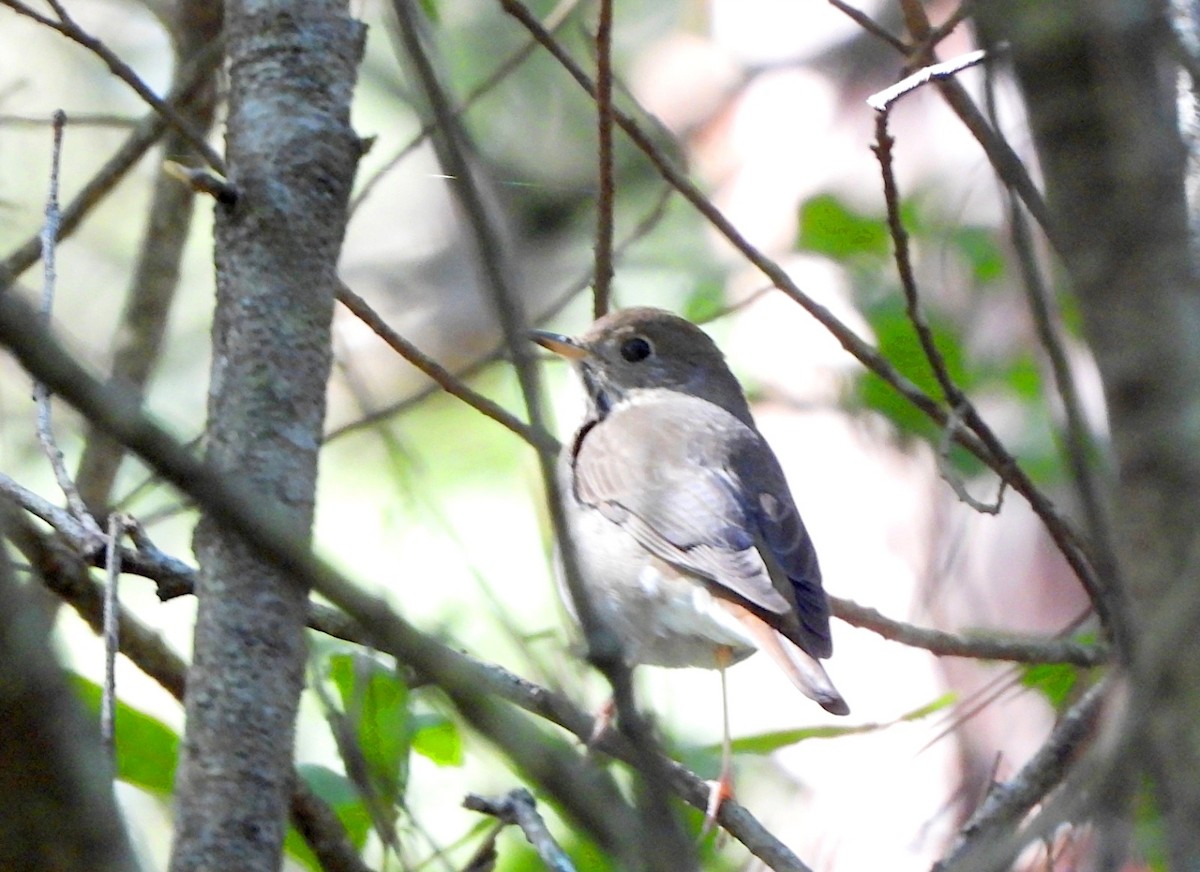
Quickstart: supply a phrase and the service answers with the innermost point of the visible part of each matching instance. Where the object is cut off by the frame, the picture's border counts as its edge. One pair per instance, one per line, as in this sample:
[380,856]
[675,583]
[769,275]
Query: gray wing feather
[685,478]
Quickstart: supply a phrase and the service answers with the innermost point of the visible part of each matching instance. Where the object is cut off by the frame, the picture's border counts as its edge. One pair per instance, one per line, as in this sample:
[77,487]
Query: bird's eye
[635,349]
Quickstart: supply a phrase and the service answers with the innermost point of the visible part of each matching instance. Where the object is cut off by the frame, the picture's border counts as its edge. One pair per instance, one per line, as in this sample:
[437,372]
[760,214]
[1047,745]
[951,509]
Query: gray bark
[292,156]
[1099,80]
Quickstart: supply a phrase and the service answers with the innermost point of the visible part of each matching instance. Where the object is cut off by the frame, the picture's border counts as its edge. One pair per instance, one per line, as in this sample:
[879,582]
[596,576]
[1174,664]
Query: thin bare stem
[882,100]
[557,17]
[518,807]
[978,646]
[869,25]
[950,475]
[1099,588]
[112,634]
[605,203]
[581,284]
[539,438]
[193,76]
[41,394]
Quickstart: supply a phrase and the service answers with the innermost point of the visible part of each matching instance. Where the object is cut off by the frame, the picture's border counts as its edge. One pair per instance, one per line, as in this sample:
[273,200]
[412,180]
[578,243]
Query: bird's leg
[721,789]
[603,722]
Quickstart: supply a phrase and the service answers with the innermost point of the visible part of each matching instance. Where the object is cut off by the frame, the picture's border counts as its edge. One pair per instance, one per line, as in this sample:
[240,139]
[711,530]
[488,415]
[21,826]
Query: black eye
[635,349]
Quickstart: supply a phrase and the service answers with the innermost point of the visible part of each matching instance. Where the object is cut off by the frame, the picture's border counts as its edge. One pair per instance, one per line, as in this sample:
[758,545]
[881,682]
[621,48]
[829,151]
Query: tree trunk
[1098,78]
[292,156]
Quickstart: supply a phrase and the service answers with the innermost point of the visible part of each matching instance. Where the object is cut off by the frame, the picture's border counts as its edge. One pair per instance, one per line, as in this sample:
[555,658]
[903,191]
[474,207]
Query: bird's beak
[569,348]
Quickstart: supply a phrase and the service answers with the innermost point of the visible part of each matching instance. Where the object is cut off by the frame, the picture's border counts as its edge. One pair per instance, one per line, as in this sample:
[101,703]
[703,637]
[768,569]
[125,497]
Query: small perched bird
[688,540]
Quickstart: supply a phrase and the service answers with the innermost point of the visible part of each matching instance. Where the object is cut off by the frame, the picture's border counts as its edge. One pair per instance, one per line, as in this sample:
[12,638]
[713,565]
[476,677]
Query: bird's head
[643,349]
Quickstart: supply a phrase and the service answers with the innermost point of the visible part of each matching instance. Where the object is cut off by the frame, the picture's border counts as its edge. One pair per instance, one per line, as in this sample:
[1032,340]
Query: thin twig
[950,475]
[68,28]
[1099,589]
[869,25]
[193,75]
[112,634]
[78,119]
[882,100]
[518,807]
[41,394]
[1007,804]
[537,437]
[979,647]
[606,200]
[557,17]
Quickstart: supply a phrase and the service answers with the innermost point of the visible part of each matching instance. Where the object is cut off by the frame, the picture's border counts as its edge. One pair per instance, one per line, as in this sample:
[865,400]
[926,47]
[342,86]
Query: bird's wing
[687,480]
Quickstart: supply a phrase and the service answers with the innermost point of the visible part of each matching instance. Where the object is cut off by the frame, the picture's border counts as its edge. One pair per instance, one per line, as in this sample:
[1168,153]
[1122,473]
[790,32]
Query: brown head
[639,349]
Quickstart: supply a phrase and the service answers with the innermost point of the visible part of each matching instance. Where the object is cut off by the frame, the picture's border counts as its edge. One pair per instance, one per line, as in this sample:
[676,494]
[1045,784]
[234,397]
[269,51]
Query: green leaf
[1054,680]
[437,738]
[147,749]
[431,11]
[375,701]
[766,743]
[829,227]
[979,248]
[897,341]
[705,302]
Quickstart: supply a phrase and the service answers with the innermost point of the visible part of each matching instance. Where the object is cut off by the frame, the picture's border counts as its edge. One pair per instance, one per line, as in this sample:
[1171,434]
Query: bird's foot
[718,791]
[603,722]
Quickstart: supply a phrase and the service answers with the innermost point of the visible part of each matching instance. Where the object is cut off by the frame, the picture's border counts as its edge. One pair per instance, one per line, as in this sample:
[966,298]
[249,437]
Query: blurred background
[439,509]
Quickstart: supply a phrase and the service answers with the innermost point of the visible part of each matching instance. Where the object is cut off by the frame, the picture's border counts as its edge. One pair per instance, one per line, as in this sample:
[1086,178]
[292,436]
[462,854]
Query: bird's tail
[805,671]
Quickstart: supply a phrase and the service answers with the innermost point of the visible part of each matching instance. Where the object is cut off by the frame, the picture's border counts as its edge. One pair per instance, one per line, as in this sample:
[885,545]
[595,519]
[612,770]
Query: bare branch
[191,77]
[537,437]
[950,475]
[1099,588]
[1007,804]
[45,431]
[112,634]
[979,647]
[518,807]
[68,28]
[882,100]
[606,199]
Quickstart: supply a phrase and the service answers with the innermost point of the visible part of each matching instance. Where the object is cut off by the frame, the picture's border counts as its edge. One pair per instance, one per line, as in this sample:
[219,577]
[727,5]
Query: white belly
[662,616]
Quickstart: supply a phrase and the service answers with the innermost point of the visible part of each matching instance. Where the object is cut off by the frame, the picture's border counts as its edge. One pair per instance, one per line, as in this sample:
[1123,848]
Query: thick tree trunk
[1099,79]
[292,156]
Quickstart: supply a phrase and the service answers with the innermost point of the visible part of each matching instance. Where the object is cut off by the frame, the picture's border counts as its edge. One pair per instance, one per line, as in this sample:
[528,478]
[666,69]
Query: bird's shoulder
[663,433]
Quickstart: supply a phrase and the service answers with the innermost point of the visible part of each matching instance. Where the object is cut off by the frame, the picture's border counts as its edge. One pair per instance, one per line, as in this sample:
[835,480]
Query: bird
[687,538]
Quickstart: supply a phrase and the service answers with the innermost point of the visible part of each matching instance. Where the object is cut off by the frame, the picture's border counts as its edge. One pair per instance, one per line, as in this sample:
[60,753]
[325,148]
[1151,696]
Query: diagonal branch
[191,78]
[68,28]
